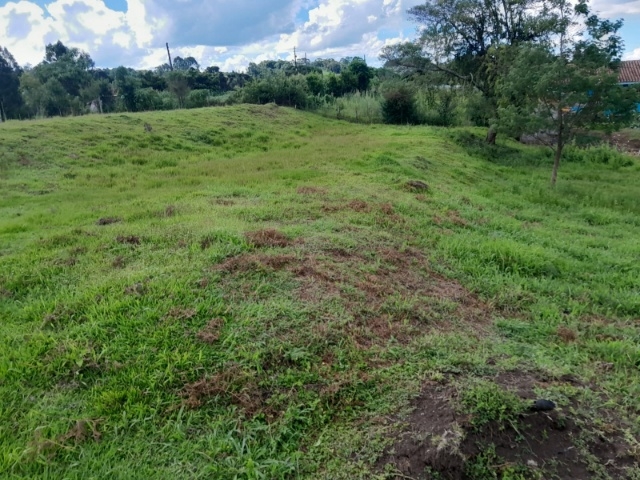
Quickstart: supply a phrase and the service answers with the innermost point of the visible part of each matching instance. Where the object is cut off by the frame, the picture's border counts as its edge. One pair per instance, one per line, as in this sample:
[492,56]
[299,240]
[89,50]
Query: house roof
[629,71]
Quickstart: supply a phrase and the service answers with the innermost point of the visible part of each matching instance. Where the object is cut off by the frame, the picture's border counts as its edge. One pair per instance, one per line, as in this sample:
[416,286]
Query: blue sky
[228,33]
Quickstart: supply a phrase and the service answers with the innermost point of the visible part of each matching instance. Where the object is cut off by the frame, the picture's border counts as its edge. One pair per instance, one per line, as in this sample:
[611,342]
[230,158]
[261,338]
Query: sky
[228,33]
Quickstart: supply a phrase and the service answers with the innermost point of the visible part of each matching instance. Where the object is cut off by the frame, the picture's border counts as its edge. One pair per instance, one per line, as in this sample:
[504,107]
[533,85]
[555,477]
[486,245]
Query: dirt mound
[442,441]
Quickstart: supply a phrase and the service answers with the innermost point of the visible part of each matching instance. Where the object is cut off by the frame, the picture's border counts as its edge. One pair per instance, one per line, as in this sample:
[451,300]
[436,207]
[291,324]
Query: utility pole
[295,59]
[169,54]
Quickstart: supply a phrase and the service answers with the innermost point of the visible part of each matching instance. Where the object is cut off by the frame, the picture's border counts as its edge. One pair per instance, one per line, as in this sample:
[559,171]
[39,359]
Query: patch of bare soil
[416,186]
[268,238]
[440,440]
[626,144]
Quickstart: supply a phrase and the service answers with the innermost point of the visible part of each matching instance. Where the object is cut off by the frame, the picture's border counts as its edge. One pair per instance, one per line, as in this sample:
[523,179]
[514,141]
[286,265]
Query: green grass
[167,344]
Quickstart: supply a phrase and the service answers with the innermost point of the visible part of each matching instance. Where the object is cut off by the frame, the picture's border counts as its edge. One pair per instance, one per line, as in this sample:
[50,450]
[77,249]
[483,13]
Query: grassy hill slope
[255,292]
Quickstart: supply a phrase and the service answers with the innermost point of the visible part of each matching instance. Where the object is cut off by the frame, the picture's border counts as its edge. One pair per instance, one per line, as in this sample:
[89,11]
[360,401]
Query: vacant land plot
[255,292]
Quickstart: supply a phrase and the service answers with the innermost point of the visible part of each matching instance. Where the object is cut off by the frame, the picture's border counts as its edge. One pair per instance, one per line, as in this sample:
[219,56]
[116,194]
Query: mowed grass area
[254,292]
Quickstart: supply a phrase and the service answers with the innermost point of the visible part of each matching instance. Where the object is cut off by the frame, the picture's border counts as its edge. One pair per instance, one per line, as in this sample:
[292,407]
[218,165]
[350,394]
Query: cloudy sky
[228,33]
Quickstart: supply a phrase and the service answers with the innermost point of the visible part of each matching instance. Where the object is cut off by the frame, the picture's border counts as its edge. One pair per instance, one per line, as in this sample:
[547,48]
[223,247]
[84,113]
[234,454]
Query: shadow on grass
[500,154]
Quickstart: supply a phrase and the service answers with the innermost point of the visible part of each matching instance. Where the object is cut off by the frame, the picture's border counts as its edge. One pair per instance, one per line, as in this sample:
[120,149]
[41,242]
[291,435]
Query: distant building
[629,73]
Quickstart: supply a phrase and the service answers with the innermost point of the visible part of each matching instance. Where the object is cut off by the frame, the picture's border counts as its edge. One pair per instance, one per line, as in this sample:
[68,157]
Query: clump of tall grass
[359,107]
[602,154]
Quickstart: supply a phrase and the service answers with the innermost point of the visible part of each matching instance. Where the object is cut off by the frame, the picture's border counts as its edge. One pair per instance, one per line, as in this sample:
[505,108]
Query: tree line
[67,82]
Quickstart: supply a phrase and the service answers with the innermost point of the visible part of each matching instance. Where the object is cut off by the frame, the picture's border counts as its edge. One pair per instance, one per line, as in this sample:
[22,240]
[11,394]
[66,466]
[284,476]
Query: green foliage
[10,97]
[178,85]
[487,402]
[290,91]
[602,154]
[356,107]
[399,104]
[568,85]
[488,466]
[438,106]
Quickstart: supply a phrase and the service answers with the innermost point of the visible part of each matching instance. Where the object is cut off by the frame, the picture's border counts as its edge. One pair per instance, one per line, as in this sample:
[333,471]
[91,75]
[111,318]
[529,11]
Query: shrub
[399,104]
[197,99]
[279,89]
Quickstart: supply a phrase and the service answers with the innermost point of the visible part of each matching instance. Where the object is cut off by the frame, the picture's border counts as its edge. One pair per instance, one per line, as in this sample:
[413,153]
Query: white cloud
[632,55]
[226,33]
[619,8]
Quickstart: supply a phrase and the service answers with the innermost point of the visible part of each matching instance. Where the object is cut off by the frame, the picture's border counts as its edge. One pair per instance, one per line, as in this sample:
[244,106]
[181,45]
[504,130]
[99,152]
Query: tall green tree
[178,85]
[469,40]
[568,83]
[361,72]
[127,84]
[185,64]
[10,97]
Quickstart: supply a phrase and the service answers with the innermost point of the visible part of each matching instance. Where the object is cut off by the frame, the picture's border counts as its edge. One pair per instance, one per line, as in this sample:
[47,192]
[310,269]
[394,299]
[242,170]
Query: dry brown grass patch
[211,332]
[359,206]
[180,313]
[455,218]
[232,385]
[268,238]
[248,263]
[566,334]
[80,432]
[387,209]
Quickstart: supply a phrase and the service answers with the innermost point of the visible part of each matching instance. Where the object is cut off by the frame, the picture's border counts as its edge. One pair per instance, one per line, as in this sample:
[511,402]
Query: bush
[279,89]
[399,104]
[197,99]
[438,106]
[602,154]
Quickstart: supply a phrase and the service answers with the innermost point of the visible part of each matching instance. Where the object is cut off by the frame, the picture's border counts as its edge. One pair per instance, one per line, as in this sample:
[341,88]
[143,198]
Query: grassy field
[255,292]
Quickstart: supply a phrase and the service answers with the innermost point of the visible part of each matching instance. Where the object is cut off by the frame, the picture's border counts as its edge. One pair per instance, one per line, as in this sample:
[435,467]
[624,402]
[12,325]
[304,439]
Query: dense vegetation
[256,292]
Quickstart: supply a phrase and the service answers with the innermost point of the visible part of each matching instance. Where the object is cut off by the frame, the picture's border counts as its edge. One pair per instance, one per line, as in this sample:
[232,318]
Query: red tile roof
[629,71]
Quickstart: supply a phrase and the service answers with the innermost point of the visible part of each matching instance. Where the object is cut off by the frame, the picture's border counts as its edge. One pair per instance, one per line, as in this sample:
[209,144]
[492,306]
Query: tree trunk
[491,136]
[556,165]
[559,147]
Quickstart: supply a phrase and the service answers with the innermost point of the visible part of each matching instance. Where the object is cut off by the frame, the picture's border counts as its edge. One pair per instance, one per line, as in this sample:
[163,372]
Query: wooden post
[169,54]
